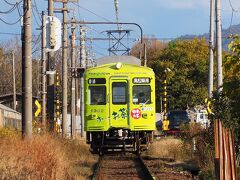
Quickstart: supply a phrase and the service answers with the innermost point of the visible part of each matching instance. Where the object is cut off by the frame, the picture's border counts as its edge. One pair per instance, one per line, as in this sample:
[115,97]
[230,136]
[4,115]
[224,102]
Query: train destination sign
[97,81]
[141,80]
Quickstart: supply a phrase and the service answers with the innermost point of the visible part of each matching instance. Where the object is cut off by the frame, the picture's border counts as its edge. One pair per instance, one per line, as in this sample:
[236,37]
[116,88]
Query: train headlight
[118,65]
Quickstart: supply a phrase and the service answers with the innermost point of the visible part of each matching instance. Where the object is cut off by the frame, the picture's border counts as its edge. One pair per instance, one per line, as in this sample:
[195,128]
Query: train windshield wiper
[143,104]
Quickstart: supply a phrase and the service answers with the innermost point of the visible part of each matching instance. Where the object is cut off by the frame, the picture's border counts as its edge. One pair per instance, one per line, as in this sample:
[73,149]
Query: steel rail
[147,173]
[97,170]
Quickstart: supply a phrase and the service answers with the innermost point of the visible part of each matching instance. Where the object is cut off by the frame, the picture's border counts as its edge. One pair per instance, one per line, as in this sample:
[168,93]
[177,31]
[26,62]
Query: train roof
[115,59]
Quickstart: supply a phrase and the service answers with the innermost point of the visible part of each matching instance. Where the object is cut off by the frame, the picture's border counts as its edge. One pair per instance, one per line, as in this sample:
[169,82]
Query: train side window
[141,94]
[119,93]
[97,95]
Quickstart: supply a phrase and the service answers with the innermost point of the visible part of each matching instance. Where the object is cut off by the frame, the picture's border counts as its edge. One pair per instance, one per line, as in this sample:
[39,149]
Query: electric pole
[27,70]
[225,162]
[73,74]
[211,49]
[50,82]
[218,132]
[14,81]
[43,70]
[64,71]
[145,54]
[219,45]
[83,65]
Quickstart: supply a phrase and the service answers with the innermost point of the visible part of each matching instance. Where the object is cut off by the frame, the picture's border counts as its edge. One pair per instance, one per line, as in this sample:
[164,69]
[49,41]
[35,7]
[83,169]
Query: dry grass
[182,149]
[169,147]
[44,157]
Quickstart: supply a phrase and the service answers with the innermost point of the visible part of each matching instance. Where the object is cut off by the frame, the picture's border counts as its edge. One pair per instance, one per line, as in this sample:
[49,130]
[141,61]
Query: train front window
[141,94]
[119,93]
[97,95]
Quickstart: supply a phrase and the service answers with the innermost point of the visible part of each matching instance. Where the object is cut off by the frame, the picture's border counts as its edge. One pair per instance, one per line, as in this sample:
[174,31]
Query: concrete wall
[1,118]
[10,118]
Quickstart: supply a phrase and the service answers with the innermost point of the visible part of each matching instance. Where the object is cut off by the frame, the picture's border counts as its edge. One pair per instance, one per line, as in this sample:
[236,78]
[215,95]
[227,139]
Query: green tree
[227,104]
[187,81]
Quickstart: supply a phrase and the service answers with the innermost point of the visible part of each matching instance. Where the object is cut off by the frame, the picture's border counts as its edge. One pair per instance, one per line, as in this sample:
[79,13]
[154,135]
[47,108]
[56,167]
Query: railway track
[125,167]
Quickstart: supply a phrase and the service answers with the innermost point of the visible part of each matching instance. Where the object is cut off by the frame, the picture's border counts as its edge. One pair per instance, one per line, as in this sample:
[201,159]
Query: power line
[230,25]
[11,23]
[34,16]
[91,12]
[10,3]
[230,3]
[232,15]
[20,16]
[37,11]
[19,11]
[13,34]
[10,10]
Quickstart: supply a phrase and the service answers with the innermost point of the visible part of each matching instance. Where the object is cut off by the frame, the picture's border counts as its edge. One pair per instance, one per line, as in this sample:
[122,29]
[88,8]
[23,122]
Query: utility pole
[43,70]
[64,71]
[73,74]
[225,162]
[27,70]
[219,161]
[211,49]
[83,65]
[50,81]
[77,96]
[14,81]
[219,45]
[145,54]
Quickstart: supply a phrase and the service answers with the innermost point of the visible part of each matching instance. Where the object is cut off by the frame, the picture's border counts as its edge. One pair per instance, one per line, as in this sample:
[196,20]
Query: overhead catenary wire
[91,28]
[86,9]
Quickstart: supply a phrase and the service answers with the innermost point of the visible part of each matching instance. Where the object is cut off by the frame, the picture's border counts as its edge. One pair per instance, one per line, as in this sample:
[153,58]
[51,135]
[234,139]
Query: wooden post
[217,154]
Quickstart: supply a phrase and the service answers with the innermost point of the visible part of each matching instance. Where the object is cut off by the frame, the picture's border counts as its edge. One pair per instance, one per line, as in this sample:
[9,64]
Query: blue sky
[161,18]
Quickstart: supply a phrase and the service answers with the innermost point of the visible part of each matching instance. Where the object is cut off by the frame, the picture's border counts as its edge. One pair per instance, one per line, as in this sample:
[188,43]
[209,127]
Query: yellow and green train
[119,104]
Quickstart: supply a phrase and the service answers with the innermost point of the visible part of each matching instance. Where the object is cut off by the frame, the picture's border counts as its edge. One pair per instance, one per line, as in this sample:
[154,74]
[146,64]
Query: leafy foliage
[187,80]
[227,104]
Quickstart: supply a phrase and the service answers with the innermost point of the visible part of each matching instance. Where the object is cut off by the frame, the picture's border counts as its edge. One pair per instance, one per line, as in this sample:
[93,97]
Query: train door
[119,103]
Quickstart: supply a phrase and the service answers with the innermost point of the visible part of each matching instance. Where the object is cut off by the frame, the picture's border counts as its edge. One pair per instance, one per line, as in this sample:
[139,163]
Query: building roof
[7,108]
